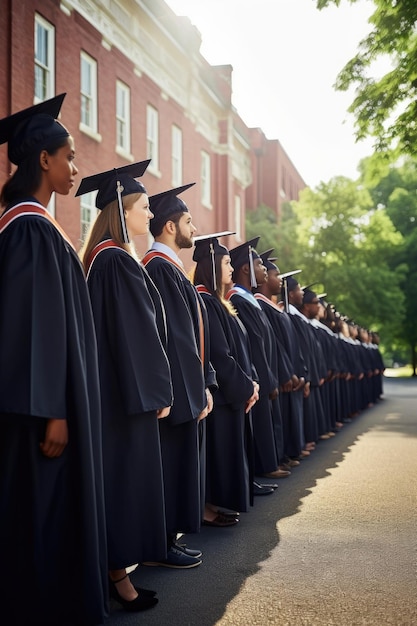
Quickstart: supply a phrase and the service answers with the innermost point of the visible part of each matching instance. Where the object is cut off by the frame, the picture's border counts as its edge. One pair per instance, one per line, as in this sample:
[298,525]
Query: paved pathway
[335,545]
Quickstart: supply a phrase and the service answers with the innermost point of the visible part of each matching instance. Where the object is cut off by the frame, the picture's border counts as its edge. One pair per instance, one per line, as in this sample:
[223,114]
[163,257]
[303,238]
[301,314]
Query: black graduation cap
[113,185]
[268,260]
[33,129]
[309,295]
[287,275]
[166,204]
[243,254]
[288,284]
[208,246]
[309,286]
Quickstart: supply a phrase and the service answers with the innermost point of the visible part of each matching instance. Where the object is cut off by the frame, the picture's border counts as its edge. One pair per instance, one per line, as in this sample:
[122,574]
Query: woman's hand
[56,438]
[254,397]
[161,413]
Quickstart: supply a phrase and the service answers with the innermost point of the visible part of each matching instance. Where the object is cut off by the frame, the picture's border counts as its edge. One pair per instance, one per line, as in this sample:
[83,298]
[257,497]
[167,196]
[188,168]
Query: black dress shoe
[261,490]
[221,521]
[269,485]
[141,603]
[145,592]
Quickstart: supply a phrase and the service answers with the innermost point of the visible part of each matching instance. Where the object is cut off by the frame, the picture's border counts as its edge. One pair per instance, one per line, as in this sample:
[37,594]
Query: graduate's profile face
[226,270]
[296,296]
[138,216]
[274,281]
[260,271]
[184,231]
[60,168]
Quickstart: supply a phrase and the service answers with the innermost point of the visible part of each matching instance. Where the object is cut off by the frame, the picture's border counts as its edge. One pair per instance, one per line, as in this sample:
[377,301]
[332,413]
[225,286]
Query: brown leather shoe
[221,521]
[278,473]
[293,463]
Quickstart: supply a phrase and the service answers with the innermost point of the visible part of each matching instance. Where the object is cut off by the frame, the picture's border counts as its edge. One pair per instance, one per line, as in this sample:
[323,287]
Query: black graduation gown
[135,381]
[182,440]
[227,467]
[265,362]
[329,348]
[244,357]
[51,510]
[314,421]
[291,403]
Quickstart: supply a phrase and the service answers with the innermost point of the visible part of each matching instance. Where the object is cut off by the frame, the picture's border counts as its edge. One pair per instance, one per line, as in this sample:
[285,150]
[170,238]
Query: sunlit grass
[399,372]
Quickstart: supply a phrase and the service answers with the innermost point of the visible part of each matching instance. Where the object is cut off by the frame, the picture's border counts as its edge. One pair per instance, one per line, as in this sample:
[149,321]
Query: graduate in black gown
[314,419]
[329,345]
[51,491]
[135,378]
[289,353]
[182,432]
[249,272]
[228,470]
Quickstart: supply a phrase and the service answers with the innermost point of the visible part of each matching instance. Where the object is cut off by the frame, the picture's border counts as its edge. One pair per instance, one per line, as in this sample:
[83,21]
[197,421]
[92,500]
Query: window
[88,212]
[152,137]
[122,117]
[205,179]
[176,157]
[88,93]
[44,59]
[283,181]
[238,218]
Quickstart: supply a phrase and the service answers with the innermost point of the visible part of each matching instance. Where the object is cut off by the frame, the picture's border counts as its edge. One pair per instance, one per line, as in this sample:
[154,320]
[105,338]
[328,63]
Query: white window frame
[206,179]
[122,118]
[44,59]
[152,138]
[88,213]
[88,93]
[176,156]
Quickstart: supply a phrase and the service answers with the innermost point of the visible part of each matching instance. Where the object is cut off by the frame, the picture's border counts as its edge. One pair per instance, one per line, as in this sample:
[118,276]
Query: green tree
[281,236]
[396,192]
[350,248]
[385,107]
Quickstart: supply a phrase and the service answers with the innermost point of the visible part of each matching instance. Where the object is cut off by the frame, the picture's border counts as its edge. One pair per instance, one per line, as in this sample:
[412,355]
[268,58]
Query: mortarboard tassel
[119,189]
[213,265]
[286,303]
[253,282]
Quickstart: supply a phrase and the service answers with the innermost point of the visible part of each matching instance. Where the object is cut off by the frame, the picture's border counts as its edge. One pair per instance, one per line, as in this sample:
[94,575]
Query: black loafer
[261,490]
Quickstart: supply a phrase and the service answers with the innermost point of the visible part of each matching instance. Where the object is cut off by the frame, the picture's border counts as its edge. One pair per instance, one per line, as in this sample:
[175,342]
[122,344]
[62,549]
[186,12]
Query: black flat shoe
[145,592]
[221,521]
[141,603]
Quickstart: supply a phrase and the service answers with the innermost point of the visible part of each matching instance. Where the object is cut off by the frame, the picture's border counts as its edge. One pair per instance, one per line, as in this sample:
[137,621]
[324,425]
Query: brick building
[137,87]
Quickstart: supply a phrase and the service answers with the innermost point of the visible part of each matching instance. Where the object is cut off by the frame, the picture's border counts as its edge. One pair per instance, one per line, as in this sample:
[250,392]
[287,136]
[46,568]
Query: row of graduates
[314,375]
[339,364]
[108,370]
[105,384]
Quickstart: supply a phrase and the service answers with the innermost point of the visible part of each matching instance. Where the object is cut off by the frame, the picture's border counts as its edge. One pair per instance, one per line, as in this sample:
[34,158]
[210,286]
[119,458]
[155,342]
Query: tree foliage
[280,235]
[350,248]
[396,191]
[357,240]
[385,108]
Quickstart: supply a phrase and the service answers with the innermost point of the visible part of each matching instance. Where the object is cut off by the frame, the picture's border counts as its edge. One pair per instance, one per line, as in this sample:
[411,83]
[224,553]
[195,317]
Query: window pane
[44,43]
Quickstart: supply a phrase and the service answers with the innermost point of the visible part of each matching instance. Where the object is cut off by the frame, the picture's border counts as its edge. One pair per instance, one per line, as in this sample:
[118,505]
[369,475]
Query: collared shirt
[162,247]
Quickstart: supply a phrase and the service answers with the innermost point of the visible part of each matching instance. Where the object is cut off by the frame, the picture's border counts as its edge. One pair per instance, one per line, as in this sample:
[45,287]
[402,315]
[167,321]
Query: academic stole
[27,209]
[260,296]
[104,245]
[155,254]
[241,291]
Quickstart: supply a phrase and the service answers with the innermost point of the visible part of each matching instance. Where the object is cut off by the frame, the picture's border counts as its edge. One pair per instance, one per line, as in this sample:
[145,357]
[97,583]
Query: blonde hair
[108,223]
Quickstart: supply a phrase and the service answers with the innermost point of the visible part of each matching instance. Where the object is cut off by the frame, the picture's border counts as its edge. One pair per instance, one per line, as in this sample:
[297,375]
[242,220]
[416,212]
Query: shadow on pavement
[198,597]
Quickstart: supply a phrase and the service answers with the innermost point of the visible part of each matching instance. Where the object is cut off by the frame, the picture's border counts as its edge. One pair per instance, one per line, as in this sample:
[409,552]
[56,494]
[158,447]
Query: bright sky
[286,56]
